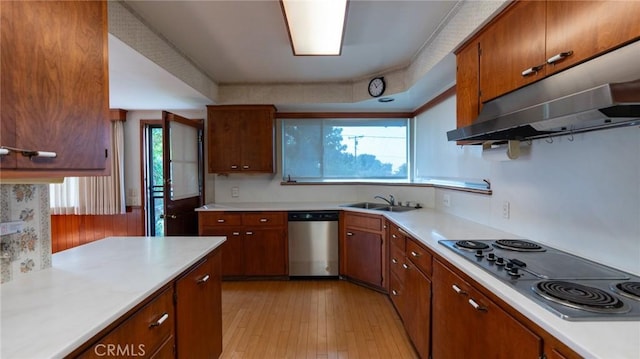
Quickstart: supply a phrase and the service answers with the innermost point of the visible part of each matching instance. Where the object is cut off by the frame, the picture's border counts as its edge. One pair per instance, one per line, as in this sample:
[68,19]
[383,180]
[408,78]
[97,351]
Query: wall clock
[376,86]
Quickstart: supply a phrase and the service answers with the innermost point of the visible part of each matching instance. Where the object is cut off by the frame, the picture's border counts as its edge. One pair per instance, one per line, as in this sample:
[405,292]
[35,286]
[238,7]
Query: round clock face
[376,86]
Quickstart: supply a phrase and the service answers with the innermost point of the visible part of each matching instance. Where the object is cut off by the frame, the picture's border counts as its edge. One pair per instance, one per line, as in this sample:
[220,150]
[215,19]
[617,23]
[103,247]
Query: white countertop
[599,339]
[51,312]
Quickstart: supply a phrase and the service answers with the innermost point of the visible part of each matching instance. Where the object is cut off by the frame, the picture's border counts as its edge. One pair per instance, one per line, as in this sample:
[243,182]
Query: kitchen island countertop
[51,312]
[591,339]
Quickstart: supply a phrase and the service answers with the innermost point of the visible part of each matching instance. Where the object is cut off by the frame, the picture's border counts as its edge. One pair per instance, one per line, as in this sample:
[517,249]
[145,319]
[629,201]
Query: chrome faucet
[391,201]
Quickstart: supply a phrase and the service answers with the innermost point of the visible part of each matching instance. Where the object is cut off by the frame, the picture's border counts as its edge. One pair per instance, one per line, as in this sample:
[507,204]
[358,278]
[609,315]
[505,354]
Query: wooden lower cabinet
[256,243]
[363,248]
[184,320]
[199,311]
[467,324]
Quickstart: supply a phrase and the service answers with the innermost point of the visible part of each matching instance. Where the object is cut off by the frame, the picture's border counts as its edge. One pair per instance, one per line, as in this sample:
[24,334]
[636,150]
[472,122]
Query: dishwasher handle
[313,216]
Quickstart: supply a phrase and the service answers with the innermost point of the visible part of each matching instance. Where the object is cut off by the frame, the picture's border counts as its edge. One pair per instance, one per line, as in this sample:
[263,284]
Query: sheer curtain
[94,195]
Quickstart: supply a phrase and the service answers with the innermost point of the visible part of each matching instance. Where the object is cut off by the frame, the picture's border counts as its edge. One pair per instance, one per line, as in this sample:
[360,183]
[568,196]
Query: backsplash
[30,249]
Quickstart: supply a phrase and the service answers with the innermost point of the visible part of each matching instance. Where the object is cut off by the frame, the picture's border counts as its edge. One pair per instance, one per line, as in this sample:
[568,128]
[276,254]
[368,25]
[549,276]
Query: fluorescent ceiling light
[315,26]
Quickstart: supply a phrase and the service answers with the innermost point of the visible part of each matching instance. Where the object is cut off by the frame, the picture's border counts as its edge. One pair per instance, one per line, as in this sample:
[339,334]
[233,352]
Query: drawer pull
[221,221]
[236,233]
[394,292]
[405,266]
[394,261]
[477,306]
[159,322]
[234,167]
[458,290]
[349,233]
[246,167]
[532,70]
[203,279]
[264,220]
[415,254]
[249,233]
[558,57]
[394,236]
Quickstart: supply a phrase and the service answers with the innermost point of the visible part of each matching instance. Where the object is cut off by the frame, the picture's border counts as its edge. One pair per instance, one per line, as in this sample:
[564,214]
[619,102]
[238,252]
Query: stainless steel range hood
[598,94]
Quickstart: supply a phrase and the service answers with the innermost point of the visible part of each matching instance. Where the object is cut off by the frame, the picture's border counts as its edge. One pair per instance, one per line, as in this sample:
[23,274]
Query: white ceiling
[246,42]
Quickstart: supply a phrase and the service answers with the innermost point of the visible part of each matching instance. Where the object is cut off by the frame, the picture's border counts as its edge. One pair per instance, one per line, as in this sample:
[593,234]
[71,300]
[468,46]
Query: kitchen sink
[379,207]
[395,208]
[366,205]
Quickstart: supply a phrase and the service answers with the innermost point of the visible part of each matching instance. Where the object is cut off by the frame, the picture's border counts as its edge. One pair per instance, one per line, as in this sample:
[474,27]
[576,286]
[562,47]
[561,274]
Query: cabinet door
[467,84]
[588,28]
[199,311]
[258,136]
[55,84]
[511,45]
[265,252]
[467,324]
[417,319]
[224,140]
[363,252]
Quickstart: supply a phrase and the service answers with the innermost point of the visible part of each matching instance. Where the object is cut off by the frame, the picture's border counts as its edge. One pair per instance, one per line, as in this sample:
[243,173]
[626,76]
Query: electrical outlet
[506,210]
[446,200]
[235,191]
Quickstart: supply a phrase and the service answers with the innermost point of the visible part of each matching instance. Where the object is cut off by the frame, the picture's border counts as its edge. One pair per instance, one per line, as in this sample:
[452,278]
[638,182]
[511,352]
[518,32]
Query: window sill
[452,184]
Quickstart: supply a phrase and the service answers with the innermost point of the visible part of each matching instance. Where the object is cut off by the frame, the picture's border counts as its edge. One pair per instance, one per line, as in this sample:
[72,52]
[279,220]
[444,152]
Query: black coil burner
[628,289]
[472,245]
[579,296]
[518,245]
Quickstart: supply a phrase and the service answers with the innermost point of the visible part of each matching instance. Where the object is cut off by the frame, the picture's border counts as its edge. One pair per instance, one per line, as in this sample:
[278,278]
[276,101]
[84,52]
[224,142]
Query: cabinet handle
[394,261]
[458,290]
[532,70]
[264,220]
[234,167]
[394,236]
[168,216]
[415,254]
[477,306]
[221,221]
[349,233]
[246,167]
[405,266]
[558,57]
[159,322]
[203,279]
[236,233]
[394,292]
[249,233]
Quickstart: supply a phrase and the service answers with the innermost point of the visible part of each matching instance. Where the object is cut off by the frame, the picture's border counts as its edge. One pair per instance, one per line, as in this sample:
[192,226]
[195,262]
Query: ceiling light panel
[316,27]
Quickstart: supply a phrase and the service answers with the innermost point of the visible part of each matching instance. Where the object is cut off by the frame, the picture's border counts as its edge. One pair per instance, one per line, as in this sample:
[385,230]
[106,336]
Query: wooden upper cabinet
[54,89]
[512,49]
[241,139]
[588,28]
[467,84]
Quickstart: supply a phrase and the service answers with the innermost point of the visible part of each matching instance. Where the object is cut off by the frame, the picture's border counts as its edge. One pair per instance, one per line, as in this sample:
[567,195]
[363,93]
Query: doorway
[172,174]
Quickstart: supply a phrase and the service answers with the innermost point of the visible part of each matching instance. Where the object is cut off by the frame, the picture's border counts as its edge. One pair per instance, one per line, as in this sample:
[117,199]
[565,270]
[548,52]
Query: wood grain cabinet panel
[467,324]
[54,91]
[199,311]
[468,84]
[364,249]
[588,28]
[241,139]
[142,334]
[256,242]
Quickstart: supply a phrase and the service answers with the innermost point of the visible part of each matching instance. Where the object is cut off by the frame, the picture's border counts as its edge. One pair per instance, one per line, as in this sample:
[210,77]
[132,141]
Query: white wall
[582,196]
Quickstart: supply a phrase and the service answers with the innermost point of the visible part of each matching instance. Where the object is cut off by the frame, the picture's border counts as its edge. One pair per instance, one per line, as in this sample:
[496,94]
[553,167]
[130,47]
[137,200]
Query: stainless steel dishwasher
[313,243]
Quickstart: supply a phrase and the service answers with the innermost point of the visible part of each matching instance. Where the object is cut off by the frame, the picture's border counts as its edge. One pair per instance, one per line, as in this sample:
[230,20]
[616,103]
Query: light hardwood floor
[309,319]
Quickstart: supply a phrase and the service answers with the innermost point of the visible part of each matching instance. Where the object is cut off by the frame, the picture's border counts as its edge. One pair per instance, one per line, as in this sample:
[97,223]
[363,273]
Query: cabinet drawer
[419,256]
[368,222]
[396,238]
[396,259]
[209,219]
[142,334]
[264,219]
